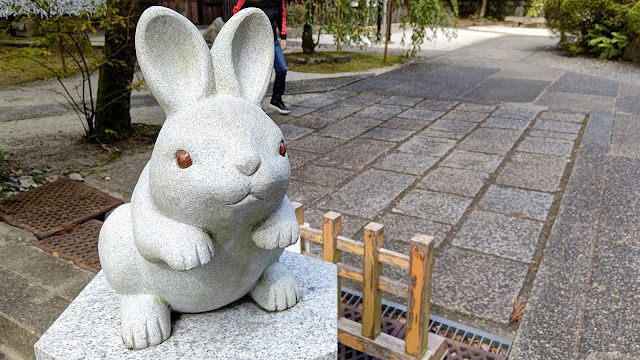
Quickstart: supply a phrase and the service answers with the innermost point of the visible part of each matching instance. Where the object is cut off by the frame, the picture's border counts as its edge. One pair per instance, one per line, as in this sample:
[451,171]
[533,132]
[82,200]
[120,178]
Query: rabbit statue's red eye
[183,159]
[283,148]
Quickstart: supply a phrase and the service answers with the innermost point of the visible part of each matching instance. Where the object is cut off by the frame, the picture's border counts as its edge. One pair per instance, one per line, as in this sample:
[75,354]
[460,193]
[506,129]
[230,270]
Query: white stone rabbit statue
[209,218]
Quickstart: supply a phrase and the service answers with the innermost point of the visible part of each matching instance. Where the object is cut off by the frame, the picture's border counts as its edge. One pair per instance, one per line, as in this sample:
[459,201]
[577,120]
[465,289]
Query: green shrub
[575,21]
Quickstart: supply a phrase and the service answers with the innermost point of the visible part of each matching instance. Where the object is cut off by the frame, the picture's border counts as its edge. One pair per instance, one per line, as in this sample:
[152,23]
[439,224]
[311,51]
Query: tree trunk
[308,46]
[113,120]
[483,9]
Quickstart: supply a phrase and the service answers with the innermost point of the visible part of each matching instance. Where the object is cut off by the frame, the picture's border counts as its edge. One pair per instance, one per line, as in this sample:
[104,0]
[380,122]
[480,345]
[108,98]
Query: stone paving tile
[473,161]
[557,126]
[321,175]
[516,113]
[281,119]
[441,105]
[445,208]
[491,141]
[401,101]
[460,127]
[316,102]
[315,121]
[533,171]
[421,114]
[338,111]
[406,163]
[427,146]
[441,134]
[350,224]
[454,181]
[364,99]
[447,82]
[292,132]
[349,128]
[339,94]
[621,205]
[368,194]
[548,146]
[553,135]
[626,136]
[611,317]
[404,228]
[628,105]
[407,124]
[356,154]
[517,202]
[300,110]
[585,84]
[475,107]
[506,123]
[379,112]
[305,193]
[563,116]
[315,144]
[499,235]
[477,284]
[508,90]
[576,102]
[460,115]
[298,158]
[387,134]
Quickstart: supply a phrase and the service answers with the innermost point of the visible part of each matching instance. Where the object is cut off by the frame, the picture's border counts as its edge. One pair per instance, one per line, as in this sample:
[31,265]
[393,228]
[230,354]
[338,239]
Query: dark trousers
[281,73]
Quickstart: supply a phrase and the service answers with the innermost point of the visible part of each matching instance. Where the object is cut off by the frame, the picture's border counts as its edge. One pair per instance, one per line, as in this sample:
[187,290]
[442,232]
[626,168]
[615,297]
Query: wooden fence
[366,337]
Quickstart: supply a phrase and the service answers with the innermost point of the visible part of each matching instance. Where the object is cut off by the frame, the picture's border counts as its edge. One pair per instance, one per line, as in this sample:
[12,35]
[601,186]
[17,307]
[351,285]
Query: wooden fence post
[299,208]
[420,267]
[331,229]
[372,296]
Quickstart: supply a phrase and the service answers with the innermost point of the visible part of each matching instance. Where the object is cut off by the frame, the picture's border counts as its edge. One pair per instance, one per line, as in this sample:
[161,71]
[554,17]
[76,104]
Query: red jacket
[275,10]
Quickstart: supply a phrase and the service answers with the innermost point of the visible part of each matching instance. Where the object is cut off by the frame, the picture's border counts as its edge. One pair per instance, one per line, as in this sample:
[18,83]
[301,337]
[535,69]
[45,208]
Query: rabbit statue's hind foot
[277,289]
[146,320]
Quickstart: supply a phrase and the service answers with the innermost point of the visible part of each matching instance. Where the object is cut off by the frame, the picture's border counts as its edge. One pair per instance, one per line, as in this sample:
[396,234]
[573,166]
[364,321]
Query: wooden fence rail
[366,337]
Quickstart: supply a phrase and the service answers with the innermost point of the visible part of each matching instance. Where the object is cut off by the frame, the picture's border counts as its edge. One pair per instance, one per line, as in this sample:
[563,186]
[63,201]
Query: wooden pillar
[372,296]
[420,267]
[331,229]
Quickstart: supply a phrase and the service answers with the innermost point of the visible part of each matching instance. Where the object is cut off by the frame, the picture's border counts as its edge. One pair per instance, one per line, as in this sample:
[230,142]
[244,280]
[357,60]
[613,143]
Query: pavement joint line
[594,250]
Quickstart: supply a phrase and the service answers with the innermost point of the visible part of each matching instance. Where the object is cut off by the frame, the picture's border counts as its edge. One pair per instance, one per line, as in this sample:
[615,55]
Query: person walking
[276,12]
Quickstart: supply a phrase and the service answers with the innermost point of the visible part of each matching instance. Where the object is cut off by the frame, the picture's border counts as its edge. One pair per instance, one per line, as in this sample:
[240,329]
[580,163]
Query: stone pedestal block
[90,327]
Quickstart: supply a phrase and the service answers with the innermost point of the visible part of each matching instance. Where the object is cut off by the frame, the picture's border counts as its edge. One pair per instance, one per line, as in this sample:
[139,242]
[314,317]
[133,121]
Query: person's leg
[281,74]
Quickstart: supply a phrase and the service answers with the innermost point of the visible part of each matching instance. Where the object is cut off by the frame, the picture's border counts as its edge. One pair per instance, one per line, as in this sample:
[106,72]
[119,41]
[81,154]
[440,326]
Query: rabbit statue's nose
[247,164]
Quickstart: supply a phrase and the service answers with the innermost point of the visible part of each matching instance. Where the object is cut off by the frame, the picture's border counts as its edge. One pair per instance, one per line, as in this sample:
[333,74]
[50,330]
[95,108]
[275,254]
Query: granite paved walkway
[524,168]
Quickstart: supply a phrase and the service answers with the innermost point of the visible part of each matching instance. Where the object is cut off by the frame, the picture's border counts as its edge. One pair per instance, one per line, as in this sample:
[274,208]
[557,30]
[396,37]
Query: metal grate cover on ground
[55,207]
[463,342]
[78,244]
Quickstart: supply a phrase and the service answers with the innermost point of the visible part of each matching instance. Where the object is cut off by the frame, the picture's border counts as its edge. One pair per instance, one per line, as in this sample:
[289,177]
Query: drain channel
[464,342]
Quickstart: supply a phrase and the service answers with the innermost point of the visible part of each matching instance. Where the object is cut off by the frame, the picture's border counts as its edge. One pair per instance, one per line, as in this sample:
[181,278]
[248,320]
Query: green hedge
[579,22]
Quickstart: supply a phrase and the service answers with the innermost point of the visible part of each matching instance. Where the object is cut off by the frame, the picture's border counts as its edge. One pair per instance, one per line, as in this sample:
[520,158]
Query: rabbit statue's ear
[174,58]
[243,55]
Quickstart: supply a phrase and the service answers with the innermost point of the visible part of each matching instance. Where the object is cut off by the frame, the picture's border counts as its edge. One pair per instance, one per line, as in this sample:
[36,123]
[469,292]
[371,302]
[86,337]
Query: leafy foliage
[427,18]
[608,44]
[576,22]
[68,37]
[536,9]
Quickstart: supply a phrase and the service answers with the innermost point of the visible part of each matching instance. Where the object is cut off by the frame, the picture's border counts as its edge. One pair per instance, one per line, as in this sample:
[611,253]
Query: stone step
[36,288]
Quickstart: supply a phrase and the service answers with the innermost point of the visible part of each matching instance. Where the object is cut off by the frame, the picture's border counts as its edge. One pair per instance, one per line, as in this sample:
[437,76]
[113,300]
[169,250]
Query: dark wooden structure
[200,12]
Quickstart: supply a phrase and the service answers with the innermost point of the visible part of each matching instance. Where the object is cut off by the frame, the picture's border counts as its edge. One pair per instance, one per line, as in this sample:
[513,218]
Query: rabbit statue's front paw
[145,320]
[275,233]
[192,251]
[277,288]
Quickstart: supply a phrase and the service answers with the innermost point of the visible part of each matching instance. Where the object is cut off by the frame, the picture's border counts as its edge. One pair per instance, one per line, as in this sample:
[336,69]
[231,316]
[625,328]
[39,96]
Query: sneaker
[280,107]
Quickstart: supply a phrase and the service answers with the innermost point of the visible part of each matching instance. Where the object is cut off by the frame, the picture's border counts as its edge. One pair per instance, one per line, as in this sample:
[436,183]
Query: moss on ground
[359,62]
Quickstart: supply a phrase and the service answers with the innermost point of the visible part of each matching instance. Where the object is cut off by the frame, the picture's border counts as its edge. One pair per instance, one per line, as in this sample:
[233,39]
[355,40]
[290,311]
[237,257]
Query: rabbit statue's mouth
[250,197]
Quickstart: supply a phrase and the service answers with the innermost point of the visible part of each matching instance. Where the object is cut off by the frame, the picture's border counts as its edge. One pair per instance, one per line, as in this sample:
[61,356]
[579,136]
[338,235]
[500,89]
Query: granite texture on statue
[88,329]
[209,218]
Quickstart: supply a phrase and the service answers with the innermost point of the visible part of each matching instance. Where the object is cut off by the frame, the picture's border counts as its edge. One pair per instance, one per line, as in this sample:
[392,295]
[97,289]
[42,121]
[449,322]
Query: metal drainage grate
[78,244]
[55,207]
[464,342]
